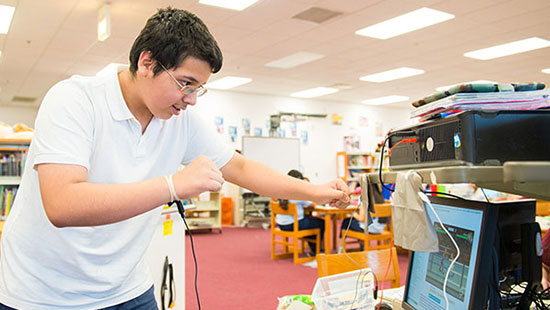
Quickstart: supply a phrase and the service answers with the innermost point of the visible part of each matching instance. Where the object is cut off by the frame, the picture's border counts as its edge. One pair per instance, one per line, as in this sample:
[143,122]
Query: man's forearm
[268,182]
[90,204]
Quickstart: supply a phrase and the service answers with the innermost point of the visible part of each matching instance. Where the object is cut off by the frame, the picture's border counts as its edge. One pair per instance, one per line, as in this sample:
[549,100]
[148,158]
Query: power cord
[425,199]
[359,279]
[181,211]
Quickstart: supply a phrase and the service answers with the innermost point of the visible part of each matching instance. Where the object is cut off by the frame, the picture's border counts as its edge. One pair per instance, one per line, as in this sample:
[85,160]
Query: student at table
[286,222]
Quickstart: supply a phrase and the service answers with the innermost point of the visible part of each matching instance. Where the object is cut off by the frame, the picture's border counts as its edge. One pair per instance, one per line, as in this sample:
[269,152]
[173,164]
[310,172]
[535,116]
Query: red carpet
[236,271]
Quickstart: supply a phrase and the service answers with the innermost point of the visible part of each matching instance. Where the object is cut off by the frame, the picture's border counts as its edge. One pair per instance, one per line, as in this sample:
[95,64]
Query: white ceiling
[50,40]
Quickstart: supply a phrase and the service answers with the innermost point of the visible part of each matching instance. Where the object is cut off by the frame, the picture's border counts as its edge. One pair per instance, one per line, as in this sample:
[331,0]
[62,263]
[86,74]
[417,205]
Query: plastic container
[340,291]
[227,211]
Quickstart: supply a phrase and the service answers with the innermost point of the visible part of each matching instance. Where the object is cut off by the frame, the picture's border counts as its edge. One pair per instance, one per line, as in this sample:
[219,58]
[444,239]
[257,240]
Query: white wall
[13,115]
[325,139]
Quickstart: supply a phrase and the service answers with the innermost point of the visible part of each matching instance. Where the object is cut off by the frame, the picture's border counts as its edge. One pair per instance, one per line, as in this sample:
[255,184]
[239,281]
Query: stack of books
[442,104]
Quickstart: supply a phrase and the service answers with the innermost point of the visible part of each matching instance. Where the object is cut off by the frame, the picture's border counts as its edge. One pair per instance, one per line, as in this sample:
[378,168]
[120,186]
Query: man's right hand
[199,176]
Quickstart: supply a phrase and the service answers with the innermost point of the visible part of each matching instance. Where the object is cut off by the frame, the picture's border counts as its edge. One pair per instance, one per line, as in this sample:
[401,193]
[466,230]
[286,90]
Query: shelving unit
[206,214]
[350,165]
[13,154]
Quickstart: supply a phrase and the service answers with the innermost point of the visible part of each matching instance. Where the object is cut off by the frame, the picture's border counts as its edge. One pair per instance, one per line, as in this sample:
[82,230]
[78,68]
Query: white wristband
[173,195]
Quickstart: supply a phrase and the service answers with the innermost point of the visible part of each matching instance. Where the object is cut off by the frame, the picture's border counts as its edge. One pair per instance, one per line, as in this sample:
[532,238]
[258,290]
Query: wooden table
[331,217]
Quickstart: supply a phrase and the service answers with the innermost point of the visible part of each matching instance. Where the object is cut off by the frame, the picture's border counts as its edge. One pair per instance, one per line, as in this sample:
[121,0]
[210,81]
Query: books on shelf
[7,196]
[11,163]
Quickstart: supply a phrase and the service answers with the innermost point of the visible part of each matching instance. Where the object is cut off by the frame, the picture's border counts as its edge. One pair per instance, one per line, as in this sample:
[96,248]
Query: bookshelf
[13,154]
[350,165]
[206,214]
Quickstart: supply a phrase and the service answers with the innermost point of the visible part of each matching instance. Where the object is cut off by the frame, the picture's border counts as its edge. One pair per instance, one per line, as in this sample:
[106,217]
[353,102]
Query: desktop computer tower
[473,138]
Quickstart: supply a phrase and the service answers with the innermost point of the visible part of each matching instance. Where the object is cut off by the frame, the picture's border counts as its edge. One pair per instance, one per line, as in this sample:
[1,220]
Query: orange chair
[383,240]
[376,260]
[291,248]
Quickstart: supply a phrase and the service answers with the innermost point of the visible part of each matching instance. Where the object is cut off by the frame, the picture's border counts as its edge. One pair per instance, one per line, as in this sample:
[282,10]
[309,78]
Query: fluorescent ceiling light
[238,5]
[6,14]
[314,92]
[547,71]
[385,100]
[294,60]
[104,23]
[394,74]
[508,49]
[444,88]
[108,69]
[228,82]
[411,21]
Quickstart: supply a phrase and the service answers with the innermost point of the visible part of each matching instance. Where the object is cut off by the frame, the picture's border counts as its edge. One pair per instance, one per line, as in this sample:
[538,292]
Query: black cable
[445,194]
[381,161]
[484,194]
[181,211]
[401,133]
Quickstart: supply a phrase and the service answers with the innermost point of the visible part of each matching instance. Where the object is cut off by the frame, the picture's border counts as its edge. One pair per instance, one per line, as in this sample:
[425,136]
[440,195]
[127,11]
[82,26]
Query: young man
[104,157]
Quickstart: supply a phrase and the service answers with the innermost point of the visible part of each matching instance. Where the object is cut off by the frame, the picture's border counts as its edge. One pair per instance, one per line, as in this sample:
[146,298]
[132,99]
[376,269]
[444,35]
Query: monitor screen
[427,270]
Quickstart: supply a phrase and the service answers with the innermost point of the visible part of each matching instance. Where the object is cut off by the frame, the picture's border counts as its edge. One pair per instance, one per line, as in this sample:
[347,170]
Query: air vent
[23,99]
[316,15]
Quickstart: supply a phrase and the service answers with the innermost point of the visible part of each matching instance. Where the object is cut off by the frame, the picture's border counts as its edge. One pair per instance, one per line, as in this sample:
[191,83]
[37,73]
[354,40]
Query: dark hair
[283,203]
[172,35]
[295,173]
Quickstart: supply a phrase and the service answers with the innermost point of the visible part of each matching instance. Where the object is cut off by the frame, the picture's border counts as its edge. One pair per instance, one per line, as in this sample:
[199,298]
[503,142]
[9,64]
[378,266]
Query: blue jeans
[145,301]
[308,222]
[353,226]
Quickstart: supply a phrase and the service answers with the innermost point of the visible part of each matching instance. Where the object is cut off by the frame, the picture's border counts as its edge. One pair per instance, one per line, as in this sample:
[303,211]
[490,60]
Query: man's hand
[199,176]
[335,193]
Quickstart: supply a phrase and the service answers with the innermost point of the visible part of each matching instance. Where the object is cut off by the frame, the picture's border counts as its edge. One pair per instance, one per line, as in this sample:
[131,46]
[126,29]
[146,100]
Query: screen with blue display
[428,270]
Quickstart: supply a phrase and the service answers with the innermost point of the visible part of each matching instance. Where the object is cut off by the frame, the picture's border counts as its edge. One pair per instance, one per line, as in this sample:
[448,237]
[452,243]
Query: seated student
[286,222]
[358,220]
[358,223]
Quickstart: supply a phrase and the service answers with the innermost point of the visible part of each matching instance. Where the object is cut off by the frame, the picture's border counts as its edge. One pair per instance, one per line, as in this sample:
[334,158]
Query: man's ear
[145,63]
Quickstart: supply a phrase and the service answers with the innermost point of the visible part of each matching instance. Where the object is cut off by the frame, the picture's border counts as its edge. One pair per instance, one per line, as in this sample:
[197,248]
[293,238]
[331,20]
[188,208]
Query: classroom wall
[12,115]
[318,155]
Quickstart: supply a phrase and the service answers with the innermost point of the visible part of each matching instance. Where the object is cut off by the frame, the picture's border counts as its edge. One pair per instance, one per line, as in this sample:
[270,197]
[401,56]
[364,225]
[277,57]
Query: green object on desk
[306,299]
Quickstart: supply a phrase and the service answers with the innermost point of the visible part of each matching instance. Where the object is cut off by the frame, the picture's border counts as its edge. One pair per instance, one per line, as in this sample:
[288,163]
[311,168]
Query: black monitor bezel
[484,250]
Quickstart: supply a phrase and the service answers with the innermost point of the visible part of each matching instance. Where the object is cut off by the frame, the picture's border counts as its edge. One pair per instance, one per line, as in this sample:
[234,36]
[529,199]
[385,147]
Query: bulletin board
[282,154]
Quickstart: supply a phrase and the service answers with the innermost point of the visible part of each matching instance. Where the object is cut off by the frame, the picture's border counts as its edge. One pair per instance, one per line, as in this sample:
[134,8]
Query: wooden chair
[383,240]
[543,208]
[377,260]
[291,248]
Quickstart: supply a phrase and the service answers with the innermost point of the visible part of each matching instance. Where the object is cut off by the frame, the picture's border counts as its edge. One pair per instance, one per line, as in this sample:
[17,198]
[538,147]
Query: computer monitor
[474,226]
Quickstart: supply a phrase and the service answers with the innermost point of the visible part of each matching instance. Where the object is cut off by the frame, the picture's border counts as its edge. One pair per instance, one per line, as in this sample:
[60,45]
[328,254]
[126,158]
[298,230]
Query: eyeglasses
[185,89]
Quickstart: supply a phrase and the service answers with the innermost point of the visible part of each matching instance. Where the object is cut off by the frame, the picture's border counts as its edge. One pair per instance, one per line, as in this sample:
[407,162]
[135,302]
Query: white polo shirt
[85,121]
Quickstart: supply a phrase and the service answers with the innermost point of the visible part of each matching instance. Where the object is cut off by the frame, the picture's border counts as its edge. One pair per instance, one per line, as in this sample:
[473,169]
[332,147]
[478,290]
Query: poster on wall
[233,133]
[363,121]
[351,144]
[378,129]
[257,132]
[336,119]
[304,136]
[293,129]
[219,124]
[246,126]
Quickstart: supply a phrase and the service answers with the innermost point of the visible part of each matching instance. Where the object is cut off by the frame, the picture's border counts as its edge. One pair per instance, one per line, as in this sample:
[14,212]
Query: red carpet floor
[236,271]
